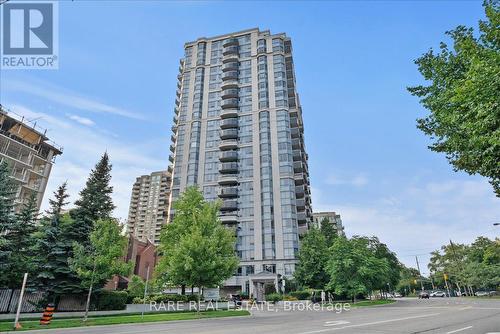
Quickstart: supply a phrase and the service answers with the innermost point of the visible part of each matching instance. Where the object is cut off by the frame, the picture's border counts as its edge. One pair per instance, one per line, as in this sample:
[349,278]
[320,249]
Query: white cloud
[422,217]
[83,147]
[68,98]
[81,120]
[359,180]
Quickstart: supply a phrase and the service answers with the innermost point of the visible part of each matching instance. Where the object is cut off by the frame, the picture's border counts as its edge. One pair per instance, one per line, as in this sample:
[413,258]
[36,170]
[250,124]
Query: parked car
[438,293]
[423,295]
[485,293]
[397,295]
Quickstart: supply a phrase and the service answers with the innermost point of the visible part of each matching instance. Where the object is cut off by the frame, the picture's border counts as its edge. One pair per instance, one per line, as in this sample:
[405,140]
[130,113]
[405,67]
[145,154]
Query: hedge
[274,297]
[112,300]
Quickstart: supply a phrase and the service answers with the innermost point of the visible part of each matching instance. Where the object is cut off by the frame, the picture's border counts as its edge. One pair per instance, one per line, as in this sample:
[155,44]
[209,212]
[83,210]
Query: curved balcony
[228,192]
[229,123]
[229,134]
[230,41]
[229,103]
[230,75]
[231,218]
[228,144]
[229,84]
[230,66]
[230,50]
[228,156]
[229,92]
[228,168]
[228,113]
[228,180]
[229,205]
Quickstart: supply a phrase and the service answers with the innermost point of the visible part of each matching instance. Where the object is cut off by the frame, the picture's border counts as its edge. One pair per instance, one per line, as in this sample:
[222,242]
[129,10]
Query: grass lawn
[364,303]
[123,319]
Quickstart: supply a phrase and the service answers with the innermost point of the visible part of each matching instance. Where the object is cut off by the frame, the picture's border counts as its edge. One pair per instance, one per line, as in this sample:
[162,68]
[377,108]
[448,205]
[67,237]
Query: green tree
[18,245]
[95,201]
[102,258]
[463,97]
[136,286]
[7,197]
[53,250]
[353,267]
[197,250]
[328,231]
[312,259]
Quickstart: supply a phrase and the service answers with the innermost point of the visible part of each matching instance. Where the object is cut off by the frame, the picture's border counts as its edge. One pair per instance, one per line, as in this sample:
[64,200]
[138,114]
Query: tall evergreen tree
[54,248]
[95,201]
[7,197]
[18,244]
[59,201]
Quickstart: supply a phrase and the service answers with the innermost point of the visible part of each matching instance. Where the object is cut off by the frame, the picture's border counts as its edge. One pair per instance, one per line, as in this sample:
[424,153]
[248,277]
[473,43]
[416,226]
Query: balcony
[228,156]
[228,192]
[301,204]
[301,217]
[229,123]
[229,42]
[229,93]
[229,134]
[171,158]
[228,144]
[228,168]
[299,179]
[230,75]
[172,148]
[230,66]
[229,218]
[229,205]
[176,110]
[297,167]
[227,113]
[299,191]
[296,144]
[229,84]
[229,179]
[230,50]
[295,132]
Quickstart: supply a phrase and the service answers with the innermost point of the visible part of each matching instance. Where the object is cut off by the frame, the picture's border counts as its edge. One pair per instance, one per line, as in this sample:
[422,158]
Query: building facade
[29,153]
[333,218]
[238,136]
[148,209]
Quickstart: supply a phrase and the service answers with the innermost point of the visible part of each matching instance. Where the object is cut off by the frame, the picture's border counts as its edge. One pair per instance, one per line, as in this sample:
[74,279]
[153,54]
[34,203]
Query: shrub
[135,287]
[301,295]
[112,300]
[289,298]
[274,297]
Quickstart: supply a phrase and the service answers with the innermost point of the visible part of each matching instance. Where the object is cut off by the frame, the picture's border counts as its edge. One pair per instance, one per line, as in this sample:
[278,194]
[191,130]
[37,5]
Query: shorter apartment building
[29,153]
[149,206]
[333,218]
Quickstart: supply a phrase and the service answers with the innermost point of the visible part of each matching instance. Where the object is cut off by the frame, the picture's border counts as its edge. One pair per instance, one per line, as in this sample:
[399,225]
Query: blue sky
[116,82]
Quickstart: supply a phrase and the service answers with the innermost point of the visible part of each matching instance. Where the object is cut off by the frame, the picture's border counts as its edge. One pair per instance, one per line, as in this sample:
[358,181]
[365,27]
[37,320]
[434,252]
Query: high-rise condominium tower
[238,135]
[29,154]
[149,206]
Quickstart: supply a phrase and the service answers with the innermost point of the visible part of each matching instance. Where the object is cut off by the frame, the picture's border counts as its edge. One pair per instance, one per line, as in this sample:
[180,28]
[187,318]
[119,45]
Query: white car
[438,294]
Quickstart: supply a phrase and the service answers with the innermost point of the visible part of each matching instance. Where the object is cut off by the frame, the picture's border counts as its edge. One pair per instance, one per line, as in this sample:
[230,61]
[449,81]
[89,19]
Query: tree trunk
[85,317]
[183,289]
[199,300]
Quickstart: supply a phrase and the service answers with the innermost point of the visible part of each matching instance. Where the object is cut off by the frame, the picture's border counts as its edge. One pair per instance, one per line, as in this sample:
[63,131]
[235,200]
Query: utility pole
[20,302]
[421,281]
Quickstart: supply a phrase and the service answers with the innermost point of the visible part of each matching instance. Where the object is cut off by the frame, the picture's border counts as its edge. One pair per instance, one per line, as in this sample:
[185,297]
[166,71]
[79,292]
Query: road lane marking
[372,323]
[336,323]
[459,330]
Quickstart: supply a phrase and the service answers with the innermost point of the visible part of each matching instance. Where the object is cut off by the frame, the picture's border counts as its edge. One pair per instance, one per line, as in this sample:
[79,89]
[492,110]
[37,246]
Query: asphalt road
[440,315]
